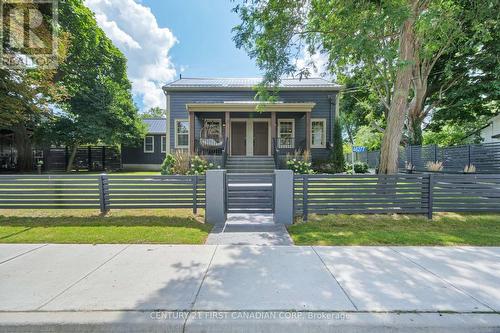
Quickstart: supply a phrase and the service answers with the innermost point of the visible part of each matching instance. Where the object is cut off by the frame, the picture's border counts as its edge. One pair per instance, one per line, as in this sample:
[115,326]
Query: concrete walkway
[249,229]
[229,288]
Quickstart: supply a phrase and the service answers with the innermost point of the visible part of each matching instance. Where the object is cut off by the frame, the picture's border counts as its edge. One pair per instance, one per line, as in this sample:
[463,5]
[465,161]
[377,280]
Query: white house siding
[491,130]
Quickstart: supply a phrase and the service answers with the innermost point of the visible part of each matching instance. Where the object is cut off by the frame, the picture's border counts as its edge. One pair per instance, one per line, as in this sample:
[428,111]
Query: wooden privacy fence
[406,194]
[91,158]
[102,192]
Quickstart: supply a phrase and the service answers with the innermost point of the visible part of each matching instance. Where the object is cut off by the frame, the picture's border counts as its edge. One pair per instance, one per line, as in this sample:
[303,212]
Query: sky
[164,38]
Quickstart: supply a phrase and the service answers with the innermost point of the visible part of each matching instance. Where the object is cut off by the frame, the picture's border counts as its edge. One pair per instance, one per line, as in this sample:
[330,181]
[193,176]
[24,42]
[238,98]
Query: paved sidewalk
[228,288]
[249,229]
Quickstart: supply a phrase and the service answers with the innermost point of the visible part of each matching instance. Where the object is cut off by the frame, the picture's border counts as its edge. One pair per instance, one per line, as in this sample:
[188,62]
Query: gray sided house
[218,117]
[151,153]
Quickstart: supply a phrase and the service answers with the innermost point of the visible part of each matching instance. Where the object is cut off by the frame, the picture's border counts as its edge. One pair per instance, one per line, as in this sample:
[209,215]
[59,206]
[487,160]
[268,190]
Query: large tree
[26,91]
[99,106]
[461,53]
[472,74]
[389,41]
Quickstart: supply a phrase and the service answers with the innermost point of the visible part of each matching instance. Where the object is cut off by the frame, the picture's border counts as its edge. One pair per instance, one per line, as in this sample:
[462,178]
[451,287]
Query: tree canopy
[99,106]
[154,112]
[86,100]
[394,45]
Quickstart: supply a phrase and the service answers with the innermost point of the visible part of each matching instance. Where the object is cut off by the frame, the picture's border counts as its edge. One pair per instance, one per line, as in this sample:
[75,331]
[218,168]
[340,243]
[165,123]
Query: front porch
[240,129]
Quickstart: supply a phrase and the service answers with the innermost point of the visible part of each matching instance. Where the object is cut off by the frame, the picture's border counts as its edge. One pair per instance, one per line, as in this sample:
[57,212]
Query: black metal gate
[249,193]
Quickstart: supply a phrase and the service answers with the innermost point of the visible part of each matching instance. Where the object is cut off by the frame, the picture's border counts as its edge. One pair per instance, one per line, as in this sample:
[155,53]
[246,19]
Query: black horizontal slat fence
[402,193]
[102,192]
[156,192]
[60,191]
[349,194]
[467,193]
[485,157]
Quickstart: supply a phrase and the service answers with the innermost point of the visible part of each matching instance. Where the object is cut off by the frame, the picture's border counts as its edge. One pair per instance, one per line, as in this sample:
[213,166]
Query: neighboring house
[302,119]
[151,153]
[491,132]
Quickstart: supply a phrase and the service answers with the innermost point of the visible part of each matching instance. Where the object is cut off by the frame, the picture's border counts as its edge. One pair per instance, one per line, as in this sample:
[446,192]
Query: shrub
[168,165]
[199,166]
[181,164]
[434,166]
[360,167]
[337,154]
[299,166]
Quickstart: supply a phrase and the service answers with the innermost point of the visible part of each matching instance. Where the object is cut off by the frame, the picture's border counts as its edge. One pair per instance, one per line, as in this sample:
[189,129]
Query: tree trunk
[416,112]
[398,107]
[415,136]
[71,159]
[24,148]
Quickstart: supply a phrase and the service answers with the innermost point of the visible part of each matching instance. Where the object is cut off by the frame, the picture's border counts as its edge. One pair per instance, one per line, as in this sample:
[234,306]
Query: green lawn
[163,226]
[444,229]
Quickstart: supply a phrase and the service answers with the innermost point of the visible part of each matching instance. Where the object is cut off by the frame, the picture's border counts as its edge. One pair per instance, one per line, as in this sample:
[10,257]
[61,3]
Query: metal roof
[156,125]
[248,84]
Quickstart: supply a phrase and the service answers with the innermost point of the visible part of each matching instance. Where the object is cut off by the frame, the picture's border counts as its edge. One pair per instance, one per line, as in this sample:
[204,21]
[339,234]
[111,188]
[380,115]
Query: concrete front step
[250,164]
[256,160]
[250,171]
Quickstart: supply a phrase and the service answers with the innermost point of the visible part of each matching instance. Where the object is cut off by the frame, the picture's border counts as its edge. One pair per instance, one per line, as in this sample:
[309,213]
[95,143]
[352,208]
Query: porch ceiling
[249,107]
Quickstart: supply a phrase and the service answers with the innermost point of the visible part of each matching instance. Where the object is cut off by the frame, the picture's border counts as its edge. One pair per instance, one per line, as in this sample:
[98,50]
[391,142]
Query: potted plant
[409,167]
[470,168]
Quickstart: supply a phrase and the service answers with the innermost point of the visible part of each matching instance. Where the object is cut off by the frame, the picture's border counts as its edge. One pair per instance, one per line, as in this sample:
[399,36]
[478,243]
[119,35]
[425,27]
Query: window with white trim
[286,133]
[318,133]
[163,144]
[149,144]
[181,133]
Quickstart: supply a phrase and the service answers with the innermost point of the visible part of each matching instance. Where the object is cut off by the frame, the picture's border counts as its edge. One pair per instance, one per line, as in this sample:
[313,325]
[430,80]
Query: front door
[238,138]
[260,138]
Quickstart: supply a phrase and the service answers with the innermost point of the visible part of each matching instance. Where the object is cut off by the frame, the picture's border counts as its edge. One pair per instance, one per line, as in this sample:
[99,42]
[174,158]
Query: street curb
[247,321]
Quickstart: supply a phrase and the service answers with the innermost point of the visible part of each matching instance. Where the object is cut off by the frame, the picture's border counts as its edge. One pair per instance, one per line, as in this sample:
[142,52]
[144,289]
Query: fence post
[215,196]
[195,193]
[103,192]
[89,158]
[411,157]
[430,202]
[103,157]
[468,155]
[435,154]
[283,196]
[66,158]
[305,185]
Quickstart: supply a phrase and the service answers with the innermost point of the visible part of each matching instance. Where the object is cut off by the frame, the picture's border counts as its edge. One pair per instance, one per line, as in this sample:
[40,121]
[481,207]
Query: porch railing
[275,152]
[286,143]
[225,152]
